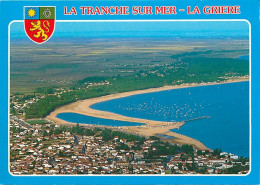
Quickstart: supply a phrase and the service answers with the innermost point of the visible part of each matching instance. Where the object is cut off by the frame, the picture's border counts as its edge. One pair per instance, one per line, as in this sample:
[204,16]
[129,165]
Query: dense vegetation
[187,70]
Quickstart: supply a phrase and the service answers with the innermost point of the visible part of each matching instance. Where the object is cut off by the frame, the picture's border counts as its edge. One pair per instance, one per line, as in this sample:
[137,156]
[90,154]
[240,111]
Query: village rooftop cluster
[43,149]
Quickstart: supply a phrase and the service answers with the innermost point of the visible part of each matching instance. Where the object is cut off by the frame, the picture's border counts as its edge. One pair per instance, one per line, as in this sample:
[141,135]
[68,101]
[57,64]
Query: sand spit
[151,128]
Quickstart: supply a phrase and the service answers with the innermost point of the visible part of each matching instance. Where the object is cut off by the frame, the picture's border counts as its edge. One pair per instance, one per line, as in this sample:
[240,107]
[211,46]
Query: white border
[139,175]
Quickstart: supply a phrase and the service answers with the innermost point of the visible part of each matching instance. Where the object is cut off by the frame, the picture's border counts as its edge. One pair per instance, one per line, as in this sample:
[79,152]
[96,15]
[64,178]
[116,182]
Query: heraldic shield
[39,23]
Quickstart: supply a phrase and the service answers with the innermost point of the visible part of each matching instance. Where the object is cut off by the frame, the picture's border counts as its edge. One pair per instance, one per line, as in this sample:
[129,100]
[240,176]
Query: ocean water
[244,57]
[226,105]
[83,119]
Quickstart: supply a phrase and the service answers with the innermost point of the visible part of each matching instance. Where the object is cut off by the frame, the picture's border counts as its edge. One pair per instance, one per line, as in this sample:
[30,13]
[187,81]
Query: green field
[65,71]
[40,122]
[63,62]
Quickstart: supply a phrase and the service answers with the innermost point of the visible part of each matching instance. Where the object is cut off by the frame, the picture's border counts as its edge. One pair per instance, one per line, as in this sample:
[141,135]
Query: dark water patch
[244,57]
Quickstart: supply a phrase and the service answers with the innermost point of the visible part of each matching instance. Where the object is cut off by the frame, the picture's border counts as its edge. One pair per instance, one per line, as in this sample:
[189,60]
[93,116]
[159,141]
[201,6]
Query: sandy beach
[151,128]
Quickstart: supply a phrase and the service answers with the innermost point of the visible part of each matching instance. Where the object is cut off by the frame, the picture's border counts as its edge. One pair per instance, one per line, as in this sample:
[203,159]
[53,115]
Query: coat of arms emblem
[39,23]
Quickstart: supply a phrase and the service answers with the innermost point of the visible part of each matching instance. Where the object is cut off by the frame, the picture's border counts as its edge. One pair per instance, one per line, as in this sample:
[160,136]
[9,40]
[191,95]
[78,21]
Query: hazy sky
[145,29]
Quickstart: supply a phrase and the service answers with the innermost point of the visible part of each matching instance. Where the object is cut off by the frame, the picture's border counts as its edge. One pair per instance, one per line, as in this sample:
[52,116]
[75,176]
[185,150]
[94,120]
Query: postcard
[129,92]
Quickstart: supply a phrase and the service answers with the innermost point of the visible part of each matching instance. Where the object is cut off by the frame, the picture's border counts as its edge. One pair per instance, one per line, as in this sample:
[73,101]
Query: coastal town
[42,142]
[45,148]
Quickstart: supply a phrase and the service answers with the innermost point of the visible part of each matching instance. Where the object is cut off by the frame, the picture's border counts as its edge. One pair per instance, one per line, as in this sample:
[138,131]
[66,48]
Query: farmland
[62,62]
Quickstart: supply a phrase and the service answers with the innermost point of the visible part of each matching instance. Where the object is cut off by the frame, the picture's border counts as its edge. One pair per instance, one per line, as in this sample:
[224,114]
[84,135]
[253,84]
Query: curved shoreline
[151,128]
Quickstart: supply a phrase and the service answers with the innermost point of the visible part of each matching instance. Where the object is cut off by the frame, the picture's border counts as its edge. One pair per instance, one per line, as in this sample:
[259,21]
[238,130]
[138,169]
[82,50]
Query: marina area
[115,108]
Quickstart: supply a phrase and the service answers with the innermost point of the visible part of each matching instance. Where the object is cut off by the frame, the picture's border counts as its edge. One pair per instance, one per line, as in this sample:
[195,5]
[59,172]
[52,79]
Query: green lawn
[40,122]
